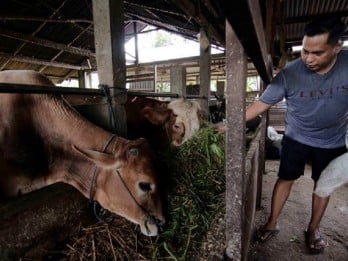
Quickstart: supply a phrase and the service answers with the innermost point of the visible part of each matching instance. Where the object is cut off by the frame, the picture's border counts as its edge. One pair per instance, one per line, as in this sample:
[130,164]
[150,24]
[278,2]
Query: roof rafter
[46,43]
[43,19]
[201,16]
[32,60]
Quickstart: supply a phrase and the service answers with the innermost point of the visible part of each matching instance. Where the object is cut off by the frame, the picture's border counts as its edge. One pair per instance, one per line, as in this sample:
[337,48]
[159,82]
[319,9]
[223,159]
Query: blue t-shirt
[317,105]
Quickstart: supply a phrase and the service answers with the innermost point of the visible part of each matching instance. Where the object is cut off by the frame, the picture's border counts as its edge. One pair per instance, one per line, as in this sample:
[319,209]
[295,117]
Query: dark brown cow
[162,123]
[43,140]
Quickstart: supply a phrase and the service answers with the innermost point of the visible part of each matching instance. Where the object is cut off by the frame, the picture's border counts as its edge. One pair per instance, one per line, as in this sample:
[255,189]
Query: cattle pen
[72,39]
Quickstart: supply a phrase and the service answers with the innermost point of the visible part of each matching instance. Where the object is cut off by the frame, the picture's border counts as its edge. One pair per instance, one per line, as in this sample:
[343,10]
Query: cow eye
[133,152]
[145,186]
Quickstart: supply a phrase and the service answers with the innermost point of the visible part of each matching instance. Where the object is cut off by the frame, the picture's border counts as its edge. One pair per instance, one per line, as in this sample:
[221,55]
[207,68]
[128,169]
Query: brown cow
[43,140]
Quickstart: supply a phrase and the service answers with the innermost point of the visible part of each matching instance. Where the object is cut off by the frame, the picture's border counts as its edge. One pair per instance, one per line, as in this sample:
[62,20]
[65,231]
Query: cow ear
[98,158]
[155,117]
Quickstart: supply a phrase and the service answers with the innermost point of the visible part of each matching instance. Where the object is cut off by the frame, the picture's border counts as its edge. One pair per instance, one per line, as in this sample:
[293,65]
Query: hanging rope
[112,114]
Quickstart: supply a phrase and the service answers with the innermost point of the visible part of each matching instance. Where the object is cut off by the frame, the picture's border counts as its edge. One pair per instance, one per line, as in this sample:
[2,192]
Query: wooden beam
[37,29]
[204,71]
[43,42]
[45,20]
[191,59]
[270,25]
[201,15]
[108,17]
[136,45]
[178,80]
[184,31]
[26,59]
[245,19]
[236,73]
[91,60]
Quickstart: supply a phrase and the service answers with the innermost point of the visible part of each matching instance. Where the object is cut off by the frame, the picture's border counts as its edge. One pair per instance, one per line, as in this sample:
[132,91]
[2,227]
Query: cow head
[127,185]
[187,120]
[180,119]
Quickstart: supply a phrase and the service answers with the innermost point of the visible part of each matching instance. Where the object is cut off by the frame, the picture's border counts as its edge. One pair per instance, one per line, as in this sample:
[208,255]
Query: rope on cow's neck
[149,218]
[94,178]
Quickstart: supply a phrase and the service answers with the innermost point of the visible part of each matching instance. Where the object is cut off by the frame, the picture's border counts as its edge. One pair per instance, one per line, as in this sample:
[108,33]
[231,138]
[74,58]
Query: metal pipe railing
[26,88]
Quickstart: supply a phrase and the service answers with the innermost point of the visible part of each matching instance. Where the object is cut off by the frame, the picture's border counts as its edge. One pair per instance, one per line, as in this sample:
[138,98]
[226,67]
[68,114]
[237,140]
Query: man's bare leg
[319,206]
[281,192]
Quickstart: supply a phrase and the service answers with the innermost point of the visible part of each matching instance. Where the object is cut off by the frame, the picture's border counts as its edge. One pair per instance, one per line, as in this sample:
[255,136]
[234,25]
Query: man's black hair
[326,24]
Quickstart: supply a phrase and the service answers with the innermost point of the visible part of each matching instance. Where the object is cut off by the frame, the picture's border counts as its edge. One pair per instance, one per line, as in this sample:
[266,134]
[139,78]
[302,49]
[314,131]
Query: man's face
[317,54]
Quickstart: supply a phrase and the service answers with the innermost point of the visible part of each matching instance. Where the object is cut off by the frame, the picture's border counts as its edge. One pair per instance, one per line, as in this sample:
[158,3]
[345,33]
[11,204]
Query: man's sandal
[263,234]
[316,245]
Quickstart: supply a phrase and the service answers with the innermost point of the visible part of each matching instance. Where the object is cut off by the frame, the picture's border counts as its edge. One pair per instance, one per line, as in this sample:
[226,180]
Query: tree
[162,39]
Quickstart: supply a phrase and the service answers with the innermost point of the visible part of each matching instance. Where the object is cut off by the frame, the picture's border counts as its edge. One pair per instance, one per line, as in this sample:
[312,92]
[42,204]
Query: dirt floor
[289,244]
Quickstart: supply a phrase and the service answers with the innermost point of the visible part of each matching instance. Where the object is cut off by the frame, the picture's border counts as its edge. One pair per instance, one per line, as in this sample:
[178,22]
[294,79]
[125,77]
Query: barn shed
[70,39]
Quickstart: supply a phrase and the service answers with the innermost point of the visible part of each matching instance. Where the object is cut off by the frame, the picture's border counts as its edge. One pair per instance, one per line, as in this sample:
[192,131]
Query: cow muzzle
[152,226]
[178,133]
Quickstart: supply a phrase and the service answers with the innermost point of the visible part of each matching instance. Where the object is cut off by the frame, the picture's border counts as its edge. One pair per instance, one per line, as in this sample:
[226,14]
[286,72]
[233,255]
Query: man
[315,87]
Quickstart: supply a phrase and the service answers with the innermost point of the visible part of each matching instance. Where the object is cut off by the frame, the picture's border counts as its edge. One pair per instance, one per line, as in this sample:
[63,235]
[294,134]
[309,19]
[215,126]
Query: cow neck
[94,176]
[81,174]
[63,121]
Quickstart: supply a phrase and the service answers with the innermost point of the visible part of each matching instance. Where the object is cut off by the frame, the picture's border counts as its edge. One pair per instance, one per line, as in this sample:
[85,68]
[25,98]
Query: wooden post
[88,80]
[136,43]
[82,79]
[236,70]
[204,69]
[178,80]
[220,89]
[109,44]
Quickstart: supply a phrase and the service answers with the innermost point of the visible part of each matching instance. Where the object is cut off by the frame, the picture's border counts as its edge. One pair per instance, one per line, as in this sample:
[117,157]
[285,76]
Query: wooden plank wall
[254,164]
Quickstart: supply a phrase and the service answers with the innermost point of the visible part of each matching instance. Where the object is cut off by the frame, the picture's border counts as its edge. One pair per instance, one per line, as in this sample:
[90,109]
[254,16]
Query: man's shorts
[295,155]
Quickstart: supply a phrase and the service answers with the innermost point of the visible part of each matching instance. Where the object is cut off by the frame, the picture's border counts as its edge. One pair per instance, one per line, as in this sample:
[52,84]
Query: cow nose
[179,128]
[152,220]
[161,227]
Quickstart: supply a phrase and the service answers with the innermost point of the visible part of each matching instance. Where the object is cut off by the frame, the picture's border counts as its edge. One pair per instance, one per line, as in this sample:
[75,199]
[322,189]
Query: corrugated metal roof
[56,36]
[298,12]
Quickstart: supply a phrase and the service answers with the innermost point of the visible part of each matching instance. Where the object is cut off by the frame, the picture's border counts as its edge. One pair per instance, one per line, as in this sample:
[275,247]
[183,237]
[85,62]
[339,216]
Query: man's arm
[252,111]
[256,109]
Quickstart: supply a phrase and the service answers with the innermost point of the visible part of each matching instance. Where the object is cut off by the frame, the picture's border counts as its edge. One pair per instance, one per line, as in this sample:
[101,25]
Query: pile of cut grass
[195,195]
